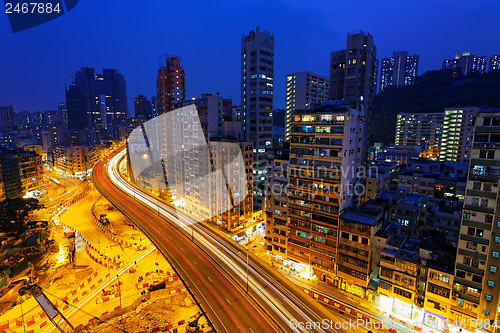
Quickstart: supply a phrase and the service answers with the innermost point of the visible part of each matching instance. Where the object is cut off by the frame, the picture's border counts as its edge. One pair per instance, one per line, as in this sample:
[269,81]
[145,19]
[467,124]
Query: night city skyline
[208,42]
[256,166]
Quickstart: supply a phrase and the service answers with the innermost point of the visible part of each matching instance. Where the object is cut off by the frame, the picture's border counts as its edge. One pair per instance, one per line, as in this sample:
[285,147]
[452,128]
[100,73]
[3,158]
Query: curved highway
[211,268]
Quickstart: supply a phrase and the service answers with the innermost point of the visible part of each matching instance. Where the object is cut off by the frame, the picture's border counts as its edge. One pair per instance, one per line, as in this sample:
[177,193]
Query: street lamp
[247,249]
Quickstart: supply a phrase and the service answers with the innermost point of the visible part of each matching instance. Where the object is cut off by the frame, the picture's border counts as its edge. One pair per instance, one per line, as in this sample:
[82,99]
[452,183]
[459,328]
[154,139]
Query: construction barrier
[115,237]
[355,313]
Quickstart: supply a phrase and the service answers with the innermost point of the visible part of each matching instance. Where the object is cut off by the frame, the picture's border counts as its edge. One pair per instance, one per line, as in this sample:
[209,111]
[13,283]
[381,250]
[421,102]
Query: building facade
[457,134]
[170,84]
[356,259]
[494,63]
[422,129]
[98,101]
[22,172]
[257,89]
[143,108]
[465,62]
[353,74]
[7,116]
[304,90]
[399,70]
[76,160]
[323,152]
[476,288]
[276,200]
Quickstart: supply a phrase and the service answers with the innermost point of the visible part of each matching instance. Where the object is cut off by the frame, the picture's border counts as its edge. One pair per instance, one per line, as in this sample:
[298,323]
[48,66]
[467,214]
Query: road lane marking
[251,330]
[194,262]
[228,301]
[209,279]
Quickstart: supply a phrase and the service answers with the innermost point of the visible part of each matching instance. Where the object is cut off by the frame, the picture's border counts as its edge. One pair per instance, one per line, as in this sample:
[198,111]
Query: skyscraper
[466,62]
[102,97]
[257,87]
[304,90]
[400,70]
[170,84]
[476,285]
[353,73]
[494,63]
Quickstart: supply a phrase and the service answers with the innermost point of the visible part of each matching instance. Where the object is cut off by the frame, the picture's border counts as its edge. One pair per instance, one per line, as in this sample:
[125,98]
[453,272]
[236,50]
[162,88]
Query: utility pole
[120,293]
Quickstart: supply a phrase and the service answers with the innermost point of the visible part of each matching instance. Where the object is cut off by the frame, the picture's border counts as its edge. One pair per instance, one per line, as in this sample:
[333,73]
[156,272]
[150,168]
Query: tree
[14,213]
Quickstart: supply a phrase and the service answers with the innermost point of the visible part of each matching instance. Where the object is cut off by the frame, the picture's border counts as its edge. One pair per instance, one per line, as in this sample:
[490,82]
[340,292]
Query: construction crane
[47,306]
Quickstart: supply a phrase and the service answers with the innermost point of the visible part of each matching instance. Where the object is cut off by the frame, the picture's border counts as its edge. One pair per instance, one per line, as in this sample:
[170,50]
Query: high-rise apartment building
[7,116]
[420,129]
[277,200]
[457,133]
[476,286]
[400,70]
[466,62]
[304,90]
[324,153]
[494,63]
[353,73]
[102,98]
[257,88]
[170,84]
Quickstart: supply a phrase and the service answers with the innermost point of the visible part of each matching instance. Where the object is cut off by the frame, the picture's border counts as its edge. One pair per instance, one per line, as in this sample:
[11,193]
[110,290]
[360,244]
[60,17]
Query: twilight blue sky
[131,35]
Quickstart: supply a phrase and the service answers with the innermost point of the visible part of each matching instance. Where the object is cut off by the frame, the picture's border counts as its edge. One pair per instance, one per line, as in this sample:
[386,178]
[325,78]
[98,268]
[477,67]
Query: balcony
[469,268]
[482,194]
[485,162]
[487,129]
[474,239]
[480,209]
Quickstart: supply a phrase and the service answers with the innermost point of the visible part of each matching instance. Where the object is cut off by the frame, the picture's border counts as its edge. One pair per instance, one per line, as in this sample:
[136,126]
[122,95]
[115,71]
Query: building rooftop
[370,213]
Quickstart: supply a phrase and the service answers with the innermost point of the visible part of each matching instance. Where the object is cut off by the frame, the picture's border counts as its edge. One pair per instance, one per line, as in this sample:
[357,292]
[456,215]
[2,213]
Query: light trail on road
[267,290]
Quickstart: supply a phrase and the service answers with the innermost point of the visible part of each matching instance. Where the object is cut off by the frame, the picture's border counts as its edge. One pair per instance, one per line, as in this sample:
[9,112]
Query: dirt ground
[156,309]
